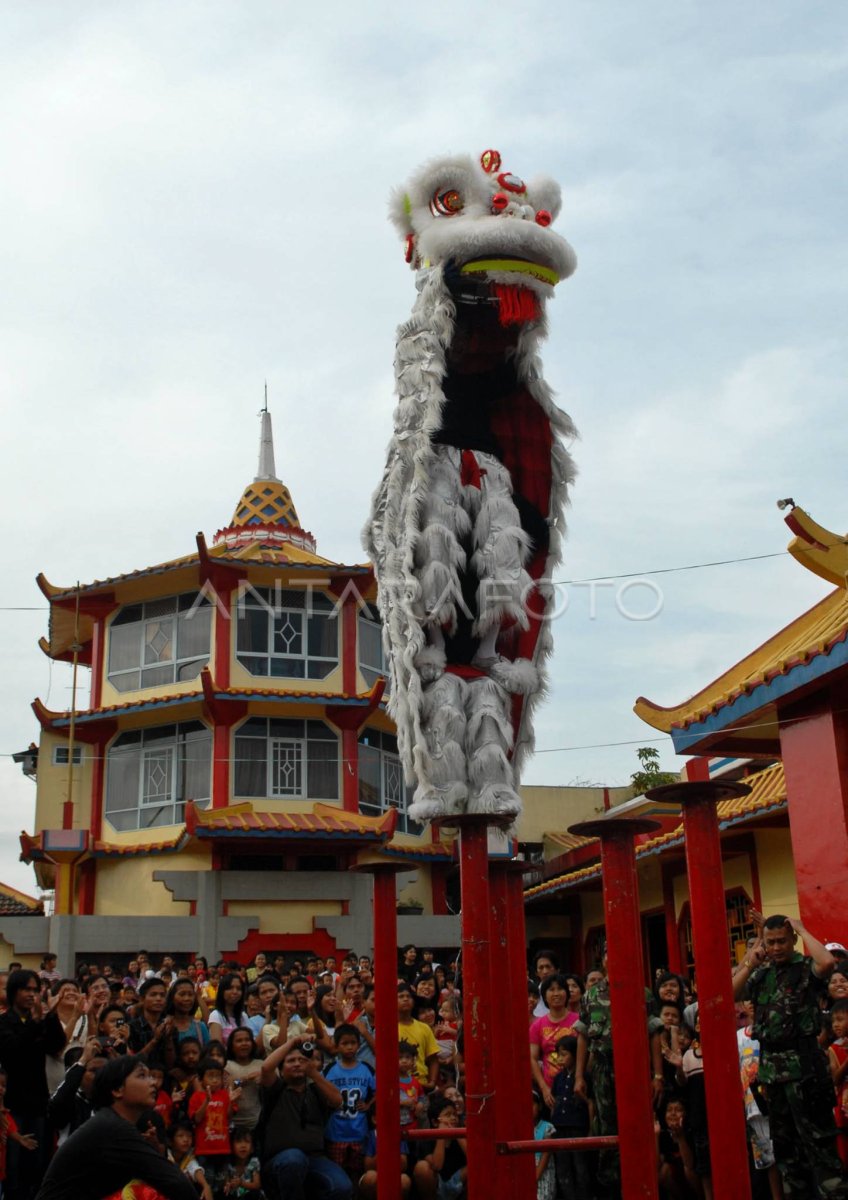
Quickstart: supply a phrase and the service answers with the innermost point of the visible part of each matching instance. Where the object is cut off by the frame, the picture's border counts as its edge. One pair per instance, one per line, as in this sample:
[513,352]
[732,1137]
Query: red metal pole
[716,1011]
[386,1032]
[477,1006]
[636,1139]
[503,1062]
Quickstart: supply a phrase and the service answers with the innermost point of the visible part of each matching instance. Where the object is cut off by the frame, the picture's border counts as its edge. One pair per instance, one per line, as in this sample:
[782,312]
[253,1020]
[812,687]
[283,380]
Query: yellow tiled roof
[812,634]
[768,790]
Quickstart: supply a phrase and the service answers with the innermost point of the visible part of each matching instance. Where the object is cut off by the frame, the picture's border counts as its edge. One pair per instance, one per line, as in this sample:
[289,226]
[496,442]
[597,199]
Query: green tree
[649,775]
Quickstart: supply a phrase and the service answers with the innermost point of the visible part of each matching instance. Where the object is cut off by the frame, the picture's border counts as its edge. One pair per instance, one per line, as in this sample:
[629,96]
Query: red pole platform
[636,1138]
[716,1010]
[477,1002]
[516,1178]
[386,1030]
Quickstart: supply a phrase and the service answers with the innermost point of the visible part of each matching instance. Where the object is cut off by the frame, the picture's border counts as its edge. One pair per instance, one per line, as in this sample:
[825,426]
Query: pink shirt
[545,1032]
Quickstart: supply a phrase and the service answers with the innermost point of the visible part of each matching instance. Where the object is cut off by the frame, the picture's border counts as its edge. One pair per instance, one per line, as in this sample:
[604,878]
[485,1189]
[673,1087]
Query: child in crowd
[411,1090]
[542,1128]
[838,1056]
[692,1066]
[677,1162]
[244,1067]
[759,1136]
[447,1030]
[571,1118]
[209,1108]
[241,1176]
[183,1077]
[347,1127]
[182,1153]
[164,1103]
[442,1172]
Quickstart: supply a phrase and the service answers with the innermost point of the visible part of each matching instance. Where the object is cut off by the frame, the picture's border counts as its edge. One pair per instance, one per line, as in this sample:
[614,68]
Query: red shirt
[410,1089]
[212,1134]
[7,1126]
[164,1106]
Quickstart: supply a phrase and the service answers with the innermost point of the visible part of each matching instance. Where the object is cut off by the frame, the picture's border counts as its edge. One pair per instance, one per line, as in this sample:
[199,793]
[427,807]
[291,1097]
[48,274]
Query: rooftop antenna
[265,406]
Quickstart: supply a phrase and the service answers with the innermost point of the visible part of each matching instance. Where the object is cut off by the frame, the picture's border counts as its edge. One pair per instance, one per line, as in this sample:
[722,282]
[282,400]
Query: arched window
[284,633]
[159,642]
[381,783]
[286,760]
[150,773]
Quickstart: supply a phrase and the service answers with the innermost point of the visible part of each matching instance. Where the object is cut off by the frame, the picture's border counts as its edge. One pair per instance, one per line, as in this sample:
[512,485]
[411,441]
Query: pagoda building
[235,759]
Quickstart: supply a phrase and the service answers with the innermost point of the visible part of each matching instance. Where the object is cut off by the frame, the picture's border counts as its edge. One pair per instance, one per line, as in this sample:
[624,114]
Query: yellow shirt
[420,1036]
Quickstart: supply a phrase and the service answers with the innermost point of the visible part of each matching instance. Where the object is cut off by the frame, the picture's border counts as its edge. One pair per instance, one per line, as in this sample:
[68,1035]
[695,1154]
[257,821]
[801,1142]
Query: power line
[700,566]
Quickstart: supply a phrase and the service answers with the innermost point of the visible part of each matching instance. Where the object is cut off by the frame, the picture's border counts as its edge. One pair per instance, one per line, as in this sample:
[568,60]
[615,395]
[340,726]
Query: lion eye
[446,204]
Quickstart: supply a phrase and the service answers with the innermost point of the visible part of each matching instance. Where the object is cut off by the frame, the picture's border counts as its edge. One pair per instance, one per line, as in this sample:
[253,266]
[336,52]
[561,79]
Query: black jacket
[68,1106]
[24,1045]
[103,1156]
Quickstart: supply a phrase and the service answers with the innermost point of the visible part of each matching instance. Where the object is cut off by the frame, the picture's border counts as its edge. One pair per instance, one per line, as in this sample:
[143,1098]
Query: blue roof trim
[142,706]
[763,694]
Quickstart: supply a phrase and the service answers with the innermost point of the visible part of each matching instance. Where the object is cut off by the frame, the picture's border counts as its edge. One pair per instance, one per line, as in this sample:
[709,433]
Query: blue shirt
[356,1084]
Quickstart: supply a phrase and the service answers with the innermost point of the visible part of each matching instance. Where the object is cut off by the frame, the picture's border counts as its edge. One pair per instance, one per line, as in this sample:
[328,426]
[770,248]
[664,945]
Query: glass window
[60,756]
[286,759]
[372,657]
[151,773]
[159,642]
[381,782]
[285,634]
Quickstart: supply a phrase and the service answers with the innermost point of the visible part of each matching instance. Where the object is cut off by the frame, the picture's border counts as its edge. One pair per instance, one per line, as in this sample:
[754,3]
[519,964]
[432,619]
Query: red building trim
[349,640]
[317,943]
[221,765]
[223,634]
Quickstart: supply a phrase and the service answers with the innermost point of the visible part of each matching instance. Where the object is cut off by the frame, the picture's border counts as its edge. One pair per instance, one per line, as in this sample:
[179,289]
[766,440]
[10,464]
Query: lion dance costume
[467,523]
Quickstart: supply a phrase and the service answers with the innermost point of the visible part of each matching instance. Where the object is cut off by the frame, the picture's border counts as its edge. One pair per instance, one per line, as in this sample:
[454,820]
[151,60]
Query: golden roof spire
[266,501]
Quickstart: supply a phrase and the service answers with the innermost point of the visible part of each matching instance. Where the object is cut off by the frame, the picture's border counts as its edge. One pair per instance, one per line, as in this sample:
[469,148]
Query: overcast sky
[194,201]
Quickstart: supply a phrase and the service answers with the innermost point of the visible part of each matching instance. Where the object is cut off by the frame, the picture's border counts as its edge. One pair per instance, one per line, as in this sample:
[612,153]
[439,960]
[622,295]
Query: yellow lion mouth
[517,266]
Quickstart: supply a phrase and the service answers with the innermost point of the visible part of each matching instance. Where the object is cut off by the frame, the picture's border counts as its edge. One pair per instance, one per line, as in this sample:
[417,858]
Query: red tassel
[517,305]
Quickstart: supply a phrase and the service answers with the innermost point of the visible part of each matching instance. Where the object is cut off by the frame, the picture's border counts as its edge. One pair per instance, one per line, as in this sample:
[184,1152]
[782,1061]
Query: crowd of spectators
[227,1080]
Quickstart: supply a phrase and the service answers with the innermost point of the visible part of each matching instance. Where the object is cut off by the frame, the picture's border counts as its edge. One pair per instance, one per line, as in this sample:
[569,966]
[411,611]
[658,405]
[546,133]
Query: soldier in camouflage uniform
[785,988]
[594,1058]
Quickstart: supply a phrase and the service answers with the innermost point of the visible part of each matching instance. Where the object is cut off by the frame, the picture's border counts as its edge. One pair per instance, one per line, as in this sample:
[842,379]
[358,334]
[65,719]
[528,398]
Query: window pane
[287,668]
[251,767]
[160,608]
[159,641]
[288,634]
[286,768]
[323,637]
[252,635]
[132,614]
[124,647]
[285,729]
[323,771]
[128,682]
[370,645]
[157,776]
[193,633]
[369,778]
[392,781]
[191,670]
[152,676]
[256,666]
[197,764]
[122,780]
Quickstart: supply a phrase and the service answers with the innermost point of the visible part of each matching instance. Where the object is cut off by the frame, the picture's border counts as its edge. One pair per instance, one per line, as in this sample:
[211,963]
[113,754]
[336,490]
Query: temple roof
[768,794]
[737,713]
[811,646]
[18,904]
